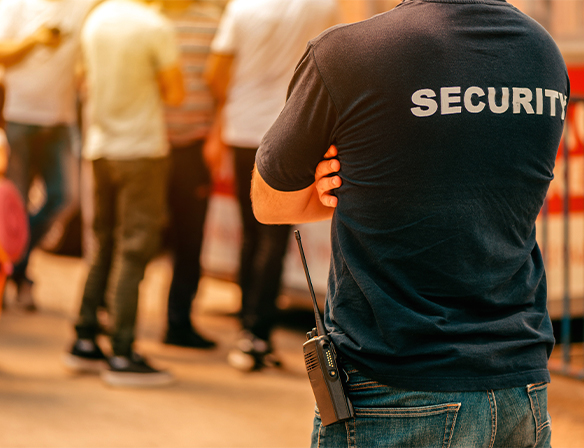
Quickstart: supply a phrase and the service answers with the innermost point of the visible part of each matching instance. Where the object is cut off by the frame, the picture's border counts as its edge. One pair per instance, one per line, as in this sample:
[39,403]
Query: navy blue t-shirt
[447,115]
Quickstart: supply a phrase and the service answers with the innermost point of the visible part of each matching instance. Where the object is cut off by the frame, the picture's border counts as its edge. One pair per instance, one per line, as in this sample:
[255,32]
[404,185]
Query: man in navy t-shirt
[447,115]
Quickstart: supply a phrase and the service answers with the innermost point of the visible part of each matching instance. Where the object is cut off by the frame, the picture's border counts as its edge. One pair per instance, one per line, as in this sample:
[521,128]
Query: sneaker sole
[241,361]
[83,365]
[130,379]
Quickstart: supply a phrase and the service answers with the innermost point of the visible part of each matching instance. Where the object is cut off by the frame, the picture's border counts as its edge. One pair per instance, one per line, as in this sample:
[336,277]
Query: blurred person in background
[131,61]
[255,50]
[190,182]
[39,48]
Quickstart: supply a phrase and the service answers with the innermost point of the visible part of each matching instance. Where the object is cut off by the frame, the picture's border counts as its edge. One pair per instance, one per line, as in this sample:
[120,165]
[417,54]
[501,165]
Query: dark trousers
[38,151]
[130,210]
[189,188]
[262,255]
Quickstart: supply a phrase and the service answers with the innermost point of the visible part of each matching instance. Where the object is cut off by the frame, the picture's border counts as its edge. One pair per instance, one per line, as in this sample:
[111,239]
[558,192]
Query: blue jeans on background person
[390,417]
[38,151]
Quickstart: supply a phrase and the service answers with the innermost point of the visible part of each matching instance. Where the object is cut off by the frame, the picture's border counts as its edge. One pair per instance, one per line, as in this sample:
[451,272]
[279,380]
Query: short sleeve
[166,46]
[225,39]
[303,132]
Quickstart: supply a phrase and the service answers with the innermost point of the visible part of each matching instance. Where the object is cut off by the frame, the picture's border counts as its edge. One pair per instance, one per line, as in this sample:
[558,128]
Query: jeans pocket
[538,398]
[422,426]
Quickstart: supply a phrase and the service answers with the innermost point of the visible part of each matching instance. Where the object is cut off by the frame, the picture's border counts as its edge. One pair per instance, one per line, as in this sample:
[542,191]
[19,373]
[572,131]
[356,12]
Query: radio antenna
[319,323]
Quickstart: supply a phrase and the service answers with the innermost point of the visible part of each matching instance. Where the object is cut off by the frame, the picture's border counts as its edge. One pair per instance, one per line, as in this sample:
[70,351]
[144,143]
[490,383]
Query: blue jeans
[389,417]
[38,151]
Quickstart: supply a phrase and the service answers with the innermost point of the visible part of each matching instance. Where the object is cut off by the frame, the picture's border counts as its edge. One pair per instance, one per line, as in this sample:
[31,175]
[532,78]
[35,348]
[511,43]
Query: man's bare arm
[272,206]
[218,75]
[170,82]
[12,51]
[315,203]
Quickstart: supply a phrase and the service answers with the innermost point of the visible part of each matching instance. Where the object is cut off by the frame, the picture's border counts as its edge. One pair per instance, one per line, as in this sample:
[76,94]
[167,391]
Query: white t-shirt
[267,38]
[125,45]
[40,89]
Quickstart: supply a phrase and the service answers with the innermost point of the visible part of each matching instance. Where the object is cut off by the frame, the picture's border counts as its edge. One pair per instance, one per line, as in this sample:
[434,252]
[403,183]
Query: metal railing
[561,237]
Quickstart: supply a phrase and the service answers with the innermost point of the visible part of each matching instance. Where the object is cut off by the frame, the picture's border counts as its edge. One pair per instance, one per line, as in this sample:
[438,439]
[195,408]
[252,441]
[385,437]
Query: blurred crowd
[152,95]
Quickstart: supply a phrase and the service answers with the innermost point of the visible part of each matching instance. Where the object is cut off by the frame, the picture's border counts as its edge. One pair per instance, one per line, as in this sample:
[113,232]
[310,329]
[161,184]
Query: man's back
[268,38]
[447,118]
[126,45]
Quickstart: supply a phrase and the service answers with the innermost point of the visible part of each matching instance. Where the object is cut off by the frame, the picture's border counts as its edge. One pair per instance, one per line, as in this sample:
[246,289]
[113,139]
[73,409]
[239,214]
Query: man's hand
[12,52]
[50,37]
[325,184]
[171,85]
[214,150]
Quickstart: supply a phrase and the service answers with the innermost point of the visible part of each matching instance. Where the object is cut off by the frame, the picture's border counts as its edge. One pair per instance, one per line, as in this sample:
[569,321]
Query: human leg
[261,264]
[36,150]
[188,197]
[244,159]
[105,193]
[269,263]
[19,170]
[46,147]
[85,354]
[141,213]
[20,138]
[262,259]
[386,416]
[141,209]
[54,143]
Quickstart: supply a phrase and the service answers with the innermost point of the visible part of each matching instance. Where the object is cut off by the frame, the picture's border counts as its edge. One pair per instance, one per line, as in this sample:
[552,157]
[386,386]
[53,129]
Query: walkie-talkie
[320,358]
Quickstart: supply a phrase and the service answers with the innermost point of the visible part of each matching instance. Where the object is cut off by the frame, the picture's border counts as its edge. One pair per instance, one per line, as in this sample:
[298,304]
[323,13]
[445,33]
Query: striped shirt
[195,28]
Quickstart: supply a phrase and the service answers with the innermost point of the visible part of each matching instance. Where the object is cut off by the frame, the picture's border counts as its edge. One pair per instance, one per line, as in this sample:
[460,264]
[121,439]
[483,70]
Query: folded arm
[271,206]
[314,203]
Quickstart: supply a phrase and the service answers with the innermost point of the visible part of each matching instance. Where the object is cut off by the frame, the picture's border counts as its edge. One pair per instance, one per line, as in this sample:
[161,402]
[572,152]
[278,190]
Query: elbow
[264,210]
[262,213]
[175,98]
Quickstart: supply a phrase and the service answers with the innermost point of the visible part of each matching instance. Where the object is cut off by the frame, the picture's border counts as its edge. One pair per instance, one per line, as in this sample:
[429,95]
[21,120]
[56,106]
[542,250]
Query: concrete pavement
[210,405]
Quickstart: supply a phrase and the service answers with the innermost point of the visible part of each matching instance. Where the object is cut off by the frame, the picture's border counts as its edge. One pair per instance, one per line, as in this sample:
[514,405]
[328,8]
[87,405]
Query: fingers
[324,187]
[327,184]
[324,182]
[326,167]
[48,36]
[331,152]
[328,200]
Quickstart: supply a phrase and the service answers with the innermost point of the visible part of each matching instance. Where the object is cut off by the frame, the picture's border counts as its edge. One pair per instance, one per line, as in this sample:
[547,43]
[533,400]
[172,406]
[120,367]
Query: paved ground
[210,405]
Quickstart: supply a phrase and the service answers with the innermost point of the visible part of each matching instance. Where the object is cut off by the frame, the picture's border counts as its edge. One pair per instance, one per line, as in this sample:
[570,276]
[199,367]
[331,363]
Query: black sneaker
[187,337]
[134,371]
[85,356]
[252,353]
